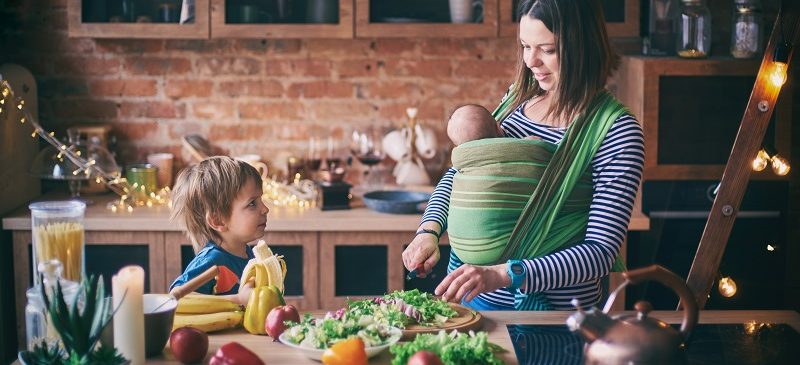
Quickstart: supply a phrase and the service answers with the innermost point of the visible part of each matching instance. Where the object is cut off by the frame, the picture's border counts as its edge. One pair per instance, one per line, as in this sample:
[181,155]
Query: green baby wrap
[524,199]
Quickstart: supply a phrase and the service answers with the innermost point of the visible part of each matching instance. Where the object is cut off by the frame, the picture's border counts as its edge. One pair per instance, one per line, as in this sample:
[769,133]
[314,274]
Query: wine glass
[365,145]
[314,155]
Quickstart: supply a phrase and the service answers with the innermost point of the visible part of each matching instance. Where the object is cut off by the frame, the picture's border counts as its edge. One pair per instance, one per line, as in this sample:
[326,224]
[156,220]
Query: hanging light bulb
[780,58]
[761,160]
[727,287]
[780,166]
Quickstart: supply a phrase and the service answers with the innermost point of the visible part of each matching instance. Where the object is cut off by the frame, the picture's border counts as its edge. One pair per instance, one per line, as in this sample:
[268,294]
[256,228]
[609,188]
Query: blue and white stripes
[574,272]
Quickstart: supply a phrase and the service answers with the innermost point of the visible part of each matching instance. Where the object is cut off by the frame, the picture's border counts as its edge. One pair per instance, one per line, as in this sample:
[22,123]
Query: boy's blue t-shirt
[227,263]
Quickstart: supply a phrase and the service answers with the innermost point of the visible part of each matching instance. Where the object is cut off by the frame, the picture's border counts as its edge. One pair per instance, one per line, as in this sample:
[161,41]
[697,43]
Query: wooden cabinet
[622,18]
[691,110]
[102,27]
[225,23]
[377,18]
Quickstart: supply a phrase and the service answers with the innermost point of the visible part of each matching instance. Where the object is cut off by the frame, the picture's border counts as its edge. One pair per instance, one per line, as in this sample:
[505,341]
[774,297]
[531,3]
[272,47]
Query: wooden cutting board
[466,320]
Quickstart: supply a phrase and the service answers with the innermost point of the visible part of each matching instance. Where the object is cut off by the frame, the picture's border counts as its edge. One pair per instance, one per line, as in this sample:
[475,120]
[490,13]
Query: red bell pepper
[233,353]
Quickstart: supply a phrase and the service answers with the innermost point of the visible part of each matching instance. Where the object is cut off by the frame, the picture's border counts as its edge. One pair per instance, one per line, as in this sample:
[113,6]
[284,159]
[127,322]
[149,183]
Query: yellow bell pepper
[261,301]
[347,352]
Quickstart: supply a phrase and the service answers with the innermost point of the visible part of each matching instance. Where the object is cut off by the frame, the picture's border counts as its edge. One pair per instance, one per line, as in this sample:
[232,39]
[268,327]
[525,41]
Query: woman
[565,61]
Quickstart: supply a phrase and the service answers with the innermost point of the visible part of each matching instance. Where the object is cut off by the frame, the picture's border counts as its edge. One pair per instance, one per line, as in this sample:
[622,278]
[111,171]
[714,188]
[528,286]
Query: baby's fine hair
[208,189]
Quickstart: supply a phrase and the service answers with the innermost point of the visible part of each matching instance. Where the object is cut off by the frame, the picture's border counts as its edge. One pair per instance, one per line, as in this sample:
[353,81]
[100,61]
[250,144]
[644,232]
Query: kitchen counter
[494,323]
[280,219]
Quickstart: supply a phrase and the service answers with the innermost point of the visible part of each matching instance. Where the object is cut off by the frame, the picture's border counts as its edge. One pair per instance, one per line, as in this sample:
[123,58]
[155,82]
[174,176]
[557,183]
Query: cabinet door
[282,19]
[622,17]
[421,18]
[137,19]
[359,265]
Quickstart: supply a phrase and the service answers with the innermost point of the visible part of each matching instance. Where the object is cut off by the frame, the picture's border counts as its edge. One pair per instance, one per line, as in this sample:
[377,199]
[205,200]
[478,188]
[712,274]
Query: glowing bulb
[770,248]
[761,160]
[778,74]
[22,120]
[780,166]
[727,287]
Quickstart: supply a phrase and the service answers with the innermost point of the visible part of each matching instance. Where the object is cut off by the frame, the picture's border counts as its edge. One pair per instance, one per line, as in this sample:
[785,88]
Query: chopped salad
[323,333]
[400,309]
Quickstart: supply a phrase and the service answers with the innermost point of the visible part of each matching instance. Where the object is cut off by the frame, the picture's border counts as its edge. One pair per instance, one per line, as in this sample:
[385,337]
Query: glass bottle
[694,30]
[746,28]
[661,30]
[38,327]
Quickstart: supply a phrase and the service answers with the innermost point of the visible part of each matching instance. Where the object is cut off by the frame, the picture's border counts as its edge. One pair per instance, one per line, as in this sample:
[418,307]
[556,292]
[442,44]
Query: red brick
[279,110]
[485,69]
[286,46]
[215,66]
[157,66]
[176,131]
[246,131]
[201,46]
[456,48]
[87,66]
[264,88]
[178,89]
[138,46]
[298,68]
[152,109]
[292,132]
[345,110]
[213,110]
[395,47]
[357,68]
[428,110]
[425,68]
[388,90]
[85,108]
[123,88]
[338,48]
[321,89]
[255,46]
[135,131]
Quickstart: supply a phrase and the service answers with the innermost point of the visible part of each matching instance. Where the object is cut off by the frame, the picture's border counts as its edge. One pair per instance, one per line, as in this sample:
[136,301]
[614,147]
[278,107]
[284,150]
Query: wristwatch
[517,271]
[429,231]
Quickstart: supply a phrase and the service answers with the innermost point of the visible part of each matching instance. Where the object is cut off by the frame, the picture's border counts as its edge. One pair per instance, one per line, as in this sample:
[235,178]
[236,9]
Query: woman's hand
[422,254]
[471,280]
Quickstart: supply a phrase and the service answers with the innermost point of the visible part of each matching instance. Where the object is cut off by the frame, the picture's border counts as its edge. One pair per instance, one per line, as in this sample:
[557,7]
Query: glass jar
[661,32]
[38,327]
[746,28]
[57,232]
[694,30]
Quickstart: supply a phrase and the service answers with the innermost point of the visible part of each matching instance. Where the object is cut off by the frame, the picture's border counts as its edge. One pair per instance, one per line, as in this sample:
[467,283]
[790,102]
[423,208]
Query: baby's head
[471,122]
[208,192]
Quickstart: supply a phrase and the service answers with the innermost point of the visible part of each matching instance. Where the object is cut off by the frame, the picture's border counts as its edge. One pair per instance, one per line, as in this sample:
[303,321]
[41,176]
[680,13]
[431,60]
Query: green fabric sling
[524,199]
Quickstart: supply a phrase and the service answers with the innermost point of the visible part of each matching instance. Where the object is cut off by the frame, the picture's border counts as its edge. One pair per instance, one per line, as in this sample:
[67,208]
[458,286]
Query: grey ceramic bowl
[157,325]
[395,201]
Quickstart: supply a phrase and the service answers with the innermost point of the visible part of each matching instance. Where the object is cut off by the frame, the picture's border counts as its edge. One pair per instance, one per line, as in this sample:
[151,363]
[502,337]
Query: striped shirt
[574,272]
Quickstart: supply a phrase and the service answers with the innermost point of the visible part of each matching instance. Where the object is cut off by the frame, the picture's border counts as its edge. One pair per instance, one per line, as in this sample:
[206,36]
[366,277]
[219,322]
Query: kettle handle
[674,282]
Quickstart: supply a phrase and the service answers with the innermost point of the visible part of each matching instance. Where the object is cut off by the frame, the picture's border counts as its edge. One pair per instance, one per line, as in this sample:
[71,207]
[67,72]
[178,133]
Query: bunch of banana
[207,313]
[266,269]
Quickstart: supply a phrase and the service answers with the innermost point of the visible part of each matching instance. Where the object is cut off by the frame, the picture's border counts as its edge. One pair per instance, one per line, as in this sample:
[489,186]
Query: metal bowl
[396,201]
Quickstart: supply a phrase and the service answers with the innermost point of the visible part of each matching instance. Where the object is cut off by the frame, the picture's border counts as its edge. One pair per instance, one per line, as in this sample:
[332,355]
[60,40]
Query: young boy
[218,203]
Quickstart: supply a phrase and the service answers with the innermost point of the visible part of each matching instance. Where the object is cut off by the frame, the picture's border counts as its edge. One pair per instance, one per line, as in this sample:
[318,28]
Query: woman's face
[539,52]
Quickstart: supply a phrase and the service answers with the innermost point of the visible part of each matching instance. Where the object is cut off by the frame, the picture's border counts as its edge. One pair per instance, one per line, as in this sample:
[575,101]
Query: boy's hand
[244,293]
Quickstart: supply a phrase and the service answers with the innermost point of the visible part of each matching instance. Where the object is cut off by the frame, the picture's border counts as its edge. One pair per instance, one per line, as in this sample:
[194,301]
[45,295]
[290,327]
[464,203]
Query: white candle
[129,318]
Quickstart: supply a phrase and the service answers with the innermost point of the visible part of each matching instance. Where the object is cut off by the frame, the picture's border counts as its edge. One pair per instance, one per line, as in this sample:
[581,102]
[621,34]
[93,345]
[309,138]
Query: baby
[218,203]
[472,122]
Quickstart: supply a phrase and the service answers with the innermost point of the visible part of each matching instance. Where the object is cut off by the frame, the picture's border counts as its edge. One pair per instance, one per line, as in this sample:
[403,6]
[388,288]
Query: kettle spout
[591,324]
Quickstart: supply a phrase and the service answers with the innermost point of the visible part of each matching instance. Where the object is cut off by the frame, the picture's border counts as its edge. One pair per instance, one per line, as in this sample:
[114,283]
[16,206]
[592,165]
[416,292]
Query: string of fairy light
[300,193]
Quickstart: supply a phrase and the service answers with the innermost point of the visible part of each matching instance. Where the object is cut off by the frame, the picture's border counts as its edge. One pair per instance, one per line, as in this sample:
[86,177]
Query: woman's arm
[617,172]
[439,203]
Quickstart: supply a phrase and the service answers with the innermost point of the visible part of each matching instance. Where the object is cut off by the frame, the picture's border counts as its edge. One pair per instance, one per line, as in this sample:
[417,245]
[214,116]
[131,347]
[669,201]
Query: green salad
[453,349]
[401,308]
[323,333]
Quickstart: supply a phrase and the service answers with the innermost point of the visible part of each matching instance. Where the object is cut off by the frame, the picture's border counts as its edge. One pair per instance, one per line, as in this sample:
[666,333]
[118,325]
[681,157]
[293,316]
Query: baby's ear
[215,222]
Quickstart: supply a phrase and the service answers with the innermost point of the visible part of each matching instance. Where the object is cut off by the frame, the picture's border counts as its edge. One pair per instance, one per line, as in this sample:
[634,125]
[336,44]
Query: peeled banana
[209,322]
[196,303]
[266,269]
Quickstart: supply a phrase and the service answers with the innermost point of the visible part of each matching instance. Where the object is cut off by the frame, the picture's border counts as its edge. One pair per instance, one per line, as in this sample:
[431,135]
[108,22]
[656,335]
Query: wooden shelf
[367,29]
[221,29]
[628,27]
[197,30]
[640,80]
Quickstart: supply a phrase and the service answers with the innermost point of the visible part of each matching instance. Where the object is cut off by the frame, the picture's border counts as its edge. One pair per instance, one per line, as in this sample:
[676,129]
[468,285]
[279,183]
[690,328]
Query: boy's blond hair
[208,189]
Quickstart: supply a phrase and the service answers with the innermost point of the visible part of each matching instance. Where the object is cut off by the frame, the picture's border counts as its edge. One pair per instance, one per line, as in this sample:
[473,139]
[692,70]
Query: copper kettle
[636,338]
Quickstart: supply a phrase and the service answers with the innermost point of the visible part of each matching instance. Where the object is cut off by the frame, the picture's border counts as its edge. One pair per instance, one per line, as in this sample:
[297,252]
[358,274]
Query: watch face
[517,268]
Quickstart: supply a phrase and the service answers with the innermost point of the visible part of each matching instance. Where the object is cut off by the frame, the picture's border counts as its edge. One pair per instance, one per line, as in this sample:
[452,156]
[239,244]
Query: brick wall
[249,96]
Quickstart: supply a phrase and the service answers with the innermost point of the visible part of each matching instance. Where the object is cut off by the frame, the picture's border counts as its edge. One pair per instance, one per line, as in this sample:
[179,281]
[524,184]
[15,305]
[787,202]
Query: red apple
[424,358]
[274,324]
[189,345]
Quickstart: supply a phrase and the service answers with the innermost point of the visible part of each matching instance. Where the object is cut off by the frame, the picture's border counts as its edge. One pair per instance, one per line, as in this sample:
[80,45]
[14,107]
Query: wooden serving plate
[466,320]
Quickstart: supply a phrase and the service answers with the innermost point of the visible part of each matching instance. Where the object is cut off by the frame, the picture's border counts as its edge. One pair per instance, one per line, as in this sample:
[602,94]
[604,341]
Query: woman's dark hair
[584,53]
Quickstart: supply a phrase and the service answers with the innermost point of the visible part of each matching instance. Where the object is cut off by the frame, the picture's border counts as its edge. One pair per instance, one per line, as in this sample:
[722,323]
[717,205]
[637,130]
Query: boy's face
[248,218]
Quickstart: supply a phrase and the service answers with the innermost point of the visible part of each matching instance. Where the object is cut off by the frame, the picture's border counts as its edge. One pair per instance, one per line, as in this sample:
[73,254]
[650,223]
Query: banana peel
[262,300]
[266,269]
